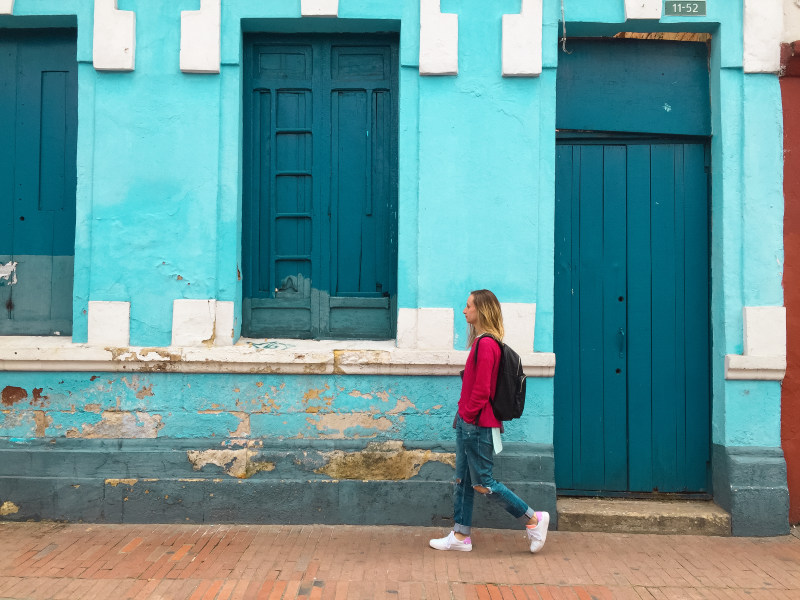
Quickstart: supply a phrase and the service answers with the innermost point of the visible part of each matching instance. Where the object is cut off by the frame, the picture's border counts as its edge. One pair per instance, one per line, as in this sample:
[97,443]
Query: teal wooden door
[320,194]
[38,141]
[632,384]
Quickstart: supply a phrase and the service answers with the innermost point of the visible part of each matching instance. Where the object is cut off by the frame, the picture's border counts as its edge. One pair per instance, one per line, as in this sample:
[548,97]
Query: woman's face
[470,312]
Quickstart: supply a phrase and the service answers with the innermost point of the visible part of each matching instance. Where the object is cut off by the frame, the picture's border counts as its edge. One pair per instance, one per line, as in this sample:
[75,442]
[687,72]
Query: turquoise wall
[159,202]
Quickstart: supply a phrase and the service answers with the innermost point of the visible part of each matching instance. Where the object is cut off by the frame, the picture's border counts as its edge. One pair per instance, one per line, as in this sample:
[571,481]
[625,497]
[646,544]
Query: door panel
[323,205]
[631,319]
[38,102]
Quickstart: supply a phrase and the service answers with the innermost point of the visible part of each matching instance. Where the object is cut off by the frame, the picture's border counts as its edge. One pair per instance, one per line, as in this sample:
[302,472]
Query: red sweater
[478,384]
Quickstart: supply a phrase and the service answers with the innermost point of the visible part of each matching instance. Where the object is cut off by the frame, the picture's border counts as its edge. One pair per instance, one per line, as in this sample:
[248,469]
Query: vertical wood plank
[665,369]
[563,326]
[639,320]
[697,326]
[591,422]
[615,401]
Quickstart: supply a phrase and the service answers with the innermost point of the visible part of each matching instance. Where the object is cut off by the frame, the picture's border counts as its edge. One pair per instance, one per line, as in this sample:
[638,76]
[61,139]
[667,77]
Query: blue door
[320,189]
[38,141]
[632,384]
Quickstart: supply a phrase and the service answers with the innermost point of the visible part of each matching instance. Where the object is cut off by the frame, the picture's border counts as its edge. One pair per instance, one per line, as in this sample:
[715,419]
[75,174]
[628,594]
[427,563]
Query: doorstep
[618,515]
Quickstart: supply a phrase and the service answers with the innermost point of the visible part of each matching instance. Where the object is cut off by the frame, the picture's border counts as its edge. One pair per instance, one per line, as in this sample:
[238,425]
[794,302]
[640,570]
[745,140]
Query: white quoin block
[763,28]
[114,38]
[200,38]
[425,328]
[223,324]
[764,330]
[109,323]
[6,7]
[522,41]
[438,40]
[407,328]
[319,8]
[435,329]
[643,9]
[192,322]
[519,322]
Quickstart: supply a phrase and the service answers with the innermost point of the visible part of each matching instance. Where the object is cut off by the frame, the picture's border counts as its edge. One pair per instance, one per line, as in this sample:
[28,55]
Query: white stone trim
[643,9]
[764,355]
[438,40]
[425,328]
[109,323]
[763,28]
[522,41]
[435,329]
[519,321]
[764,330]
[200,38]
[6,7]
[319,8]
[114,38]
[192,322]
[223,323]
[356,357]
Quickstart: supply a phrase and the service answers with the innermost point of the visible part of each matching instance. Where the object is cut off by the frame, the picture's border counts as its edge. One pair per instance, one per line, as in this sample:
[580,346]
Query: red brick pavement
[56,561]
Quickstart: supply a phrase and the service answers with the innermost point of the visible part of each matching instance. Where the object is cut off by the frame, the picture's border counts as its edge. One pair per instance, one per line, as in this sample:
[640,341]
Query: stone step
[618,515]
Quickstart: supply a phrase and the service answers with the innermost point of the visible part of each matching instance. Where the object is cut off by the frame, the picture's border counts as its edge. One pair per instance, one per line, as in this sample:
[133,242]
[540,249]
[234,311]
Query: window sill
[323,357]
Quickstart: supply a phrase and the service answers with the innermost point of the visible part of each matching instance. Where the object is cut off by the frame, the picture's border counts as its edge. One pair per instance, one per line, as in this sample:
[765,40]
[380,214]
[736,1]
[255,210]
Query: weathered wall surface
[158,257]
[790,401]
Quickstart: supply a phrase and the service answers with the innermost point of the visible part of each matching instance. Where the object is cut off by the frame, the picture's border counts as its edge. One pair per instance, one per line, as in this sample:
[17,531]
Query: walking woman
[473,425]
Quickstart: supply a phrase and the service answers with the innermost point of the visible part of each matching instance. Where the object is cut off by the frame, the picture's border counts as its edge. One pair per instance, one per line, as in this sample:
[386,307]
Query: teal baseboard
[750,483]
[286,482]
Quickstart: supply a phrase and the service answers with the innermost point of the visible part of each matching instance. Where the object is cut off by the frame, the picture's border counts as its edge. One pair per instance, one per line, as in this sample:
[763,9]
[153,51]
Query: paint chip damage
[236,463]
[381,461]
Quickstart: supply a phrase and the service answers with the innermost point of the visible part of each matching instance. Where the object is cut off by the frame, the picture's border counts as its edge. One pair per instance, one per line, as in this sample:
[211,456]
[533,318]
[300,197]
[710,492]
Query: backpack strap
[479,338]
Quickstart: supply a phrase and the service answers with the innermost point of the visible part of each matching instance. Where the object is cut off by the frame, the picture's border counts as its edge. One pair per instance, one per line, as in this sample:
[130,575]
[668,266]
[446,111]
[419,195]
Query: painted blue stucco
[159,218]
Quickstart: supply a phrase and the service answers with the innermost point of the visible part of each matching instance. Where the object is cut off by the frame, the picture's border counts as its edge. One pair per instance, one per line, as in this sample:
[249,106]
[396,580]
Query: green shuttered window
[319,239]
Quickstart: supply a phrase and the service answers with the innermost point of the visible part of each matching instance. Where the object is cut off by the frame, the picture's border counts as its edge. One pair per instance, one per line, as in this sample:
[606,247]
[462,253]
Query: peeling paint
[243,430]
[402,404]
[8,272]
[381,461]
[116,482]
[11,395]
[116,424]
[335,425]
[8,508]
[43,421]
[236,463]
[38,398]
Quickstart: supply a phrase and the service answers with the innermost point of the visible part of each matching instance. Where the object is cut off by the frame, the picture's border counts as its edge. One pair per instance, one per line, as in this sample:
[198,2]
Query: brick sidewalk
[176,562]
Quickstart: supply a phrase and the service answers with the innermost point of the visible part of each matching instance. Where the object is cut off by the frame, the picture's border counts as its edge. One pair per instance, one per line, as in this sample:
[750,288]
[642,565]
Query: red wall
[790,398]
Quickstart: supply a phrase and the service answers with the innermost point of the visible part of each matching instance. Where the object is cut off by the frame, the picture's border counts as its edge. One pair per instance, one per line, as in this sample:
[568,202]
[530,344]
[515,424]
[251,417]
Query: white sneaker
[451,542]
[537,535]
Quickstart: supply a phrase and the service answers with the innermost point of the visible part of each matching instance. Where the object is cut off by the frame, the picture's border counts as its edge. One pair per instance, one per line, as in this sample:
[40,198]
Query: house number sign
[675,8]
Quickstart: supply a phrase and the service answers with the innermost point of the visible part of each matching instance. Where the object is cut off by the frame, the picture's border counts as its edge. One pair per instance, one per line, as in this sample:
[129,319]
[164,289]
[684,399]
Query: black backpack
[508,401]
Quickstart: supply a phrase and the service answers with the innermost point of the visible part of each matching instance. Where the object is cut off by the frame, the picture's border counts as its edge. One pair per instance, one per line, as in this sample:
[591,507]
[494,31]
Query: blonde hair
[490,316]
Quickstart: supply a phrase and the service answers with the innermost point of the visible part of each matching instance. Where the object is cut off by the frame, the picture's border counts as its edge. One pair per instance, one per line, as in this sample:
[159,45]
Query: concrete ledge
[643,516]
[323,357]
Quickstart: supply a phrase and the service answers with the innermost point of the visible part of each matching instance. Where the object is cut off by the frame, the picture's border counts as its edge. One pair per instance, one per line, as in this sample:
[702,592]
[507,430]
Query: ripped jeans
[474,465]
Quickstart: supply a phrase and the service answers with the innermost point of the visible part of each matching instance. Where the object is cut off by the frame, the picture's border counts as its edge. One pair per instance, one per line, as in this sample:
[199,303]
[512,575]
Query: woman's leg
[463,496]
[463,492]
[478,449]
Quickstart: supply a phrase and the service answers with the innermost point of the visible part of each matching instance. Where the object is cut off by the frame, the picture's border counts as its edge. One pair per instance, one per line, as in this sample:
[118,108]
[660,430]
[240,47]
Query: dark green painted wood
[38,120]
[665,87]
[640,318]
[320,198]
[631,320]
